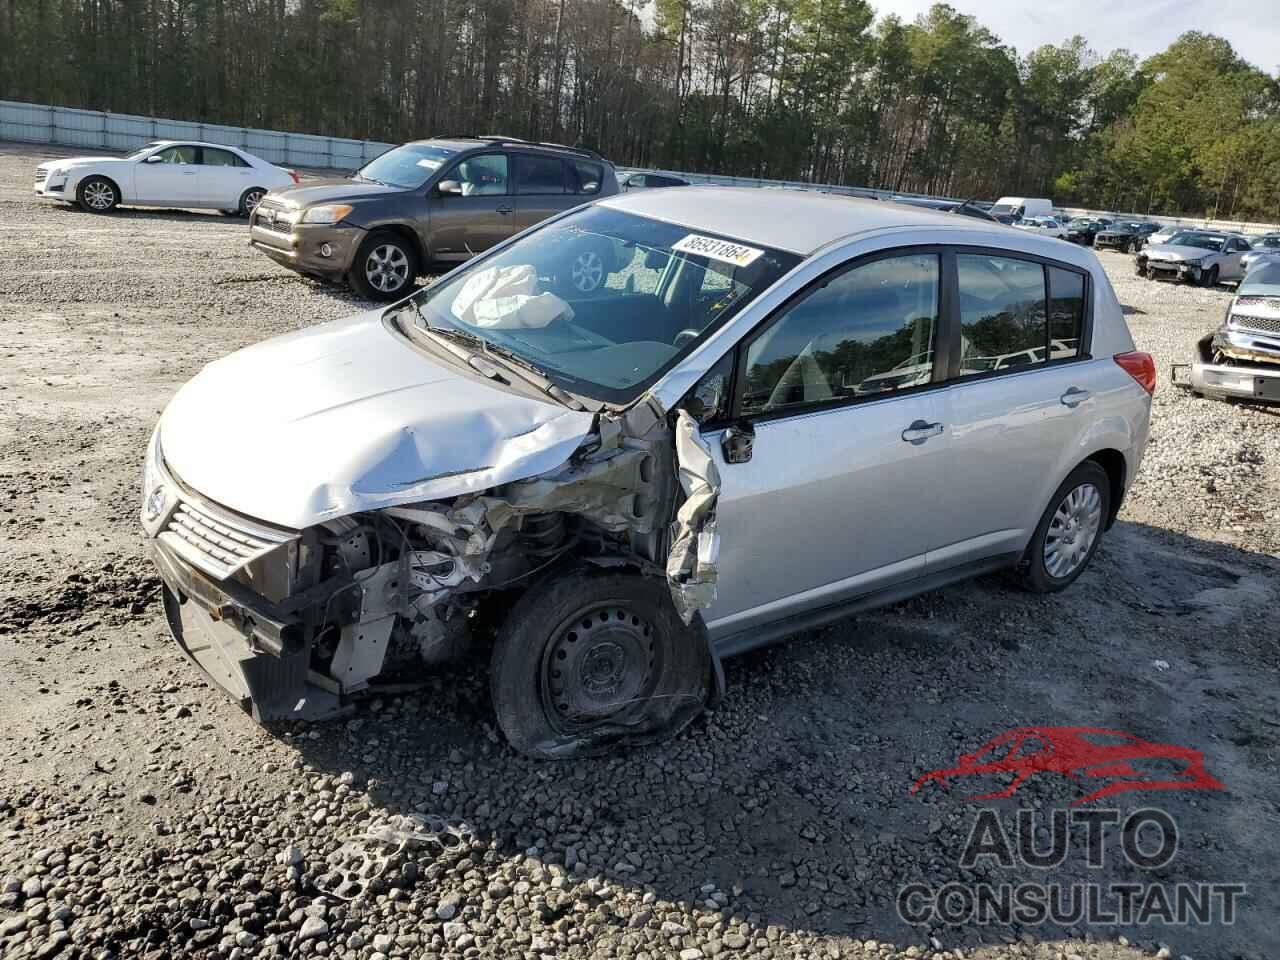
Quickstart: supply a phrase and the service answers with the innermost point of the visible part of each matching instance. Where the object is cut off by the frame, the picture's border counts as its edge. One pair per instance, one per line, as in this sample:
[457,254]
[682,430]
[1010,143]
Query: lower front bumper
[319,251]
[224,636]
[1245,381]
[1158,270]
[57,196]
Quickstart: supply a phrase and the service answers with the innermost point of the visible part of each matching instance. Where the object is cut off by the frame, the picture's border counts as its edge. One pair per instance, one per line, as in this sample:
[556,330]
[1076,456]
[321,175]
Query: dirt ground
[142,814]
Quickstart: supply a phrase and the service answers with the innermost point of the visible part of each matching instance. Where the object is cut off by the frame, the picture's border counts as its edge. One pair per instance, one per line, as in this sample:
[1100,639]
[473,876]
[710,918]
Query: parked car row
[614,397]
[1195,256]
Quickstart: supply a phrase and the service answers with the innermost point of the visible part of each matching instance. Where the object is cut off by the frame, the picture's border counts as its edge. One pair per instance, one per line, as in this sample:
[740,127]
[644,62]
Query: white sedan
[166,173]
[1045,226]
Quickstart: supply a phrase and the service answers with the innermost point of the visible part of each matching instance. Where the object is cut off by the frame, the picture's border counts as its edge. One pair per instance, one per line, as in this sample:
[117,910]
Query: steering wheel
[684,336]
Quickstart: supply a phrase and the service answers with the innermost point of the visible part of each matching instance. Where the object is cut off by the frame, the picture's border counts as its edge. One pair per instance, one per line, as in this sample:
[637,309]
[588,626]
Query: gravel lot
[142,815]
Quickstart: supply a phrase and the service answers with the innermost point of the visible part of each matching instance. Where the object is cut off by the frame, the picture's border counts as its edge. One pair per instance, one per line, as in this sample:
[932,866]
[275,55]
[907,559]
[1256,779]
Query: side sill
[769,634]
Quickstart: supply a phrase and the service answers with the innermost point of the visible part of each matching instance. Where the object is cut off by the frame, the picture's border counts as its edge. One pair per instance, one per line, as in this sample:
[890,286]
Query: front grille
[1247,301]
[215,542]
[266,214]
[1261,324]
[41,176]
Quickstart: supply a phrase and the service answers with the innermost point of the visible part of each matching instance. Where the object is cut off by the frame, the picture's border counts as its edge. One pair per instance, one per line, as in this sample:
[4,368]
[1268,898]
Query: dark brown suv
[429,204]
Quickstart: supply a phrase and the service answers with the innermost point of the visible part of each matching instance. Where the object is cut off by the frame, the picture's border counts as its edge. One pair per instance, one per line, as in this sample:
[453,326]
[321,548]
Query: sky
[1141,26]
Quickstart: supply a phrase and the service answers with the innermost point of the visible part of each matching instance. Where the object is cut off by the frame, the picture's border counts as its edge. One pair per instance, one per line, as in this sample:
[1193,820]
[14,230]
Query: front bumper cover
[251,648]
[302,249]
[1245,381]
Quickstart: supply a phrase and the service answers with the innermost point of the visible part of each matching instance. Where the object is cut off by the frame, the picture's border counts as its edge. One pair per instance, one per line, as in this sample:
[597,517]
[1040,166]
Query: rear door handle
[1074,397]
[920,431]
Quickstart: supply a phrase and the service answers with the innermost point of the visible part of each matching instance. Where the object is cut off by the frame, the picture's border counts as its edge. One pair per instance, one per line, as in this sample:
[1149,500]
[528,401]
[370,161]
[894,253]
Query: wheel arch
[406,233]
[1113,462]
[97,175]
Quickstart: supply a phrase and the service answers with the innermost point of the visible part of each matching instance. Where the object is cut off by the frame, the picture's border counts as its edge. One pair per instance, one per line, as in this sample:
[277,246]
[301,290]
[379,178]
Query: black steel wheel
[587,658]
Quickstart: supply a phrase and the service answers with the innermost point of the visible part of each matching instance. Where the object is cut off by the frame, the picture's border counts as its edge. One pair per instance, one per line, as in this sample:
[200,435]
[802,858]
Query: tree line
[816,90]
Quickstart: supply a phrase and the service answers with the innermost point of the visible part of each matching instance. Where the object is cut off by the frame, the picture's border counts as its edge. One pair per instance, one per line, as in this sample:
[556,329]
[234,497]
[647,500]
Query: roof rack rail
[498,139]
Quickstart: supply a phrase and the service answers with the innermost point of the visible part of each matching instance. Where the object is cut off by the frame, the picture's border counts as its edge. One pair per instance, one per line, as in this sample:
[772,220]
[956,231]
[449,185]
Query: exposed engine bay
[386,594]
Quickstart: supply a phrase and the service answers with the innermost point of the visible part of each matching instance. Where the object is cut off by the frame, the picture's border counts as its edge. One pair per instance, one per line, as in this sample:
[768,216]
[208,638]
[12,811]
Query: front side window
[866,333]
[181,154]
[663,288]
[539,174]
[484,175]
[1002,313]
[212,157]
[408,166]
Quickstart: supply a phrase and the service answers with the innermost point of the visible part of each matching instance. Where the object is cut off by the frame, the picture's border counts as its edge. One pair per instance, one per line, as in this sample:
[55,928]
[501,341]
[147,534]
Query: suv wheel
[385,267]
[1069,531]
[587,658]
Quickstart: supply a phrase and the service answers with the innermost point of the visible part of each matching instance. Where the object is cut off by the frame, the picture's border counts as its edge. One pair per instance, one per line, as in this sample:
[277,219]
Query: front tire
[1211,278]
[97,195]
[1069,531]
[385,267]
[588,658]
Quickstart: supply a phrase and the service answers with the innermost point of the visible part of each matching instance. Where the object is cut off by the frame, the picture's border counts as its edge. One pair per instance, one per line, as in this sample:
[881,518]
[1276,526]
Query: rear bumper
[318,250]
[1245,381]
[249,647]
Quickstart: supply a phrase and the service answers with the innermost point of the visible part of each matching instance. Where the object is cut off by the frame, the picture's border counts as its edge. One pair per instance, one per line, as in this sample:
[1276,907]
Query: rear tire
[97,195]
[385,267]
[249,200]
[588,658]
[1069,531]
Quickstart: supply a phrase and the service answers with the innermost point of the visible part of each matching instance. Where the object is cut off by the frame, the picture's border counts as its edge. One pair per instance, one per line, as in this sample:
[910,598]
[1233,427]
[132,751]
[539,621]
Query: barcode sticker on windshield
[723,250]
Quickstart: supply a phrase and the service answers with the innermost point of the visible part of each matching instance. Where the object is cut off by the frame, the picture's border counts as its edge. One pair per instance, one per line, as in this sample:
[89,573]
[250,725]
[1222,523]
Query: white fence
[96,129]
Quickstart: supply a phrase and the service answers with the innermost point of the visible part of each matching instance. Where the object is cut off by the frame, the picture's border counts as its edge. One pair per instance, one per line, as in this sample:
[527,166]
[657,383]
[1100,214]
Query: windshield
[1205,241]
[139,154]
[408,166]
[603,302]
[1000,208]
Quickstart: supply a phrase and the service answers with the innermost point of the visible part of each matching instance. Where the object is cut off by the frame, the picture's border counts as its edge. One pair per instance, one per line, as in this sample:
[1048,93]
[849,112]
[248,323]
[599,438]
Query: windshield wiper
[492,356]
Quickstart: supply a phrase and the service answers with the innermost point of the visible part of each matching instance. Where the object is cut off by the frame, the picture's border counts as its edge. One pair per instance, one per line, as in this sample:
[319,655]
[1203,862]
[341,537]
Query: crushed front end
[293,623]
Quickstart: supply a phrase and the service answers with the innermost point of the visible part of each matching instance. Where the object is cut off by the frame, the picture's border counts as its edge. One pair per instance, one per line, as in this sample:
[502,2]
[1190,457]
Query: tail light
[1141,367]
[294,174]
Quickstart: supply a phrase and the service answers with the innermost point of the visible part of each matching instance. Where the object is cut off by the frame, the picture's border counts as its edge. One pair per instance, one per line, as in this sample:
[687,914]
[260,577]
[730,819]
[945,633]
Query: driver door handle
[506,210]
[920,431]
[1074,397]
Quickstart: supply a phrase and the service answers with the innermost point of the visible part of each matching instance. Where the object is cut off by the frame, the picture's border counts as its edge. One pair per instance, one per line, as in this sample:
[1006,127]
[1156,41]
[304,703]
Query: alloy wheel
[588,271]
[251,201]
[99,195]
[600,666]
[1073,530]
[387,268]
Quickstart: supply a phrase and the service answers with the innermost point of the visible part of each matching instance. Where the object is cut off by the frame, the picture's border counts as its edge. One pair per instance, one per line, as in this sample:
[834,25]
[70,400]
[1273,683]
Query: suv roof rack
[500,139]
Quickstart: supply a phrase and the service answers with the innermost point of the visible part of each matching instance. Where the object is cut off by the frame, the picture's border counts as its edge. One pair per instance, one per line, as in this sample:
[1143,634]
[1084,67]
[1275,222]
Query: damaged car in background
[1194,256]
[1241,359]
[779,408]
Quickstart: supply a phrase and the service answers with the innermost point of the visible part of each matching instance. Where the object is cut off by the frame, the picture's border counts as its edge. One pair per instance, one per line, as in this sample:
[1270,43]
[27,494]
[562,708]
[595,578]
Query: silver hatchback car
[780,408]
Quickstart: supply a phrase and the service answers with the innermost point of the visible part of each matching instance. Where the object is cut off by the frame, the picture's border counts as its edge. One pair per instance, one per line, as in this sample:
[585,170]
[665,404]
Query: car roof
[561,150]
[799,221]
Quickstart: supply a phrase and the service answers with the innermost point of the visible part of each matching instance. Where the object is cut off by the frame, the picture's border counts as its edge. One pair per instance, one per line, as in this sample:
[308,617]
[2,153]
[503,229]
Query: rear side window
[1002,313]
[1066,313]
[539,174]
[585,178]
[220,158]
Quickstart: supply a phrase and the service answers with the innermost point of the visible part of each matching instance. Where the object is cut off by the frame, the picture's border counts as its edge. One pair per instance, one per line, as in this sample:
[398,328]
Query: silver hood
[69,162]
[346,417]
[1176,252]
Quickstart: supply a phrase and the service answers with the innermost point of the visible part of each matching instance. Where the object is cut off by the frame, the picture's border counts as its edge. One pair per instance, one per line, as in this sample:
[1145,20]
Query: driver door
[172,179]
[836,497]
[482,215]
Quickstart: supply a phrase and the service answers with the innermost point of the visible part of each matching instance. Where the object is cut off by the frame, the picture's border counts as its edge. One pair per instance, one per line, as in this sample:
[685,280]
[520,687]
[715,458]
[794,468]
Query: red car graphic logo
[1081,754]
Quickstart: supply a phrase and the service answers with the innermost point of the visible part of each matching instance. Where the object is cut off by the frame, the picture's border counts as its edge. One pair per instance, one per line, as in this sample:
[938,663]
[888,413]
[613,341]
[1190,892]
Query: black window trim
[940,345]
[946,351]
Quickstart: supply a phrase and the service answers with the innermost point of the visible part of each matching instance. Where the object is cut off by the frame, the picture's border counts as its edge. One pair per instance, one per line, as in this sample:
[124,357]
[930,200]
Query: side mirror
[154,158]
[736,443]
[452,187]
[707,398]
